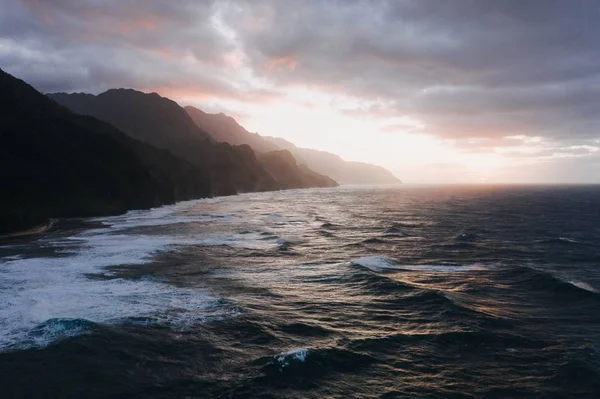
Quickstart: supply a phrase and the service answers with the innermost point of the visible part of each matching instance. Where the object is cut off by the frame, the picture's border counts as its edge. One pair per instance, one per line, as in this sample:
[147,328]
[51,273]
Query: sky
[461,91]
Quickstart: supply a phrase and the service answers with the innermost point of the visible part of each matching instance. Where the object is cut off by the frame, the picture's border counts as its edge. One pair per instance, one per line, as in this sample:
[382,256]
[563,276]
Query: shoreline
[39,229]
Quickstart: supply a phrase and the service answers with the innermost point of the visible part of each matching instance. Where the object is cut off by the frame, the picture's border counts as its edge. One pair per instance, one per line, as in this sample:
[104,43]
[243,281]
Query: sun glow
[338,123]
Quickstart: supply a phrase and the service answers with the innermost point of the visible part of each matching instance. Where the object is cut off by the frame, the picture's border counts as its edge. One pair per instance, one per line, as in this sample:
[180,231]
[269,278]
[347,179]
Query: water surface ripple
[461,292]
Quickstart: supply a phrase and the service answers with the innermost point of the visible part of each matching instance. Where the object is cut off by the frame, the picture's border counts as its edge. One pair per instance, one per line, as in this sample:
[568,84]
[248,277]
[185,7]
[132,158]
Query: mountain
[54,163]
[224,128]
[344,172]
[283,167]
[161,122]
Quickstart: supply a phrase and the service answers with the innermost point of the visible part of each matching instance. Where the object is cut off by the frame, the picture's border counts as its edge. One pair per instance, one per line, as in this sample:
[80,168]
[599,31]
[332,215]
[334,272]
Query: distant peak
[130,92]
[62,93]
[120,90]
[225,116]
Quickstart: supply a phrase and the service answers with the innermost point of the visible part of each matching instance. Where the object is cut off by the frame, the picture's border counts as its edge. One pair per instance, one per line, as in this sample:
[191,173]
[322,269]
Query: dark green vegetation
[54,163]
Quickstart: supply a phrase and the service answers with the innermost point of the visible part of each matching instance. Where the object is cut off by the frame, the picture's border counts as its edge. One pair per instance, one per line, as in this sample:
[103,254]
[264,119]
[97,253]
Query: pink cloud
[288,62]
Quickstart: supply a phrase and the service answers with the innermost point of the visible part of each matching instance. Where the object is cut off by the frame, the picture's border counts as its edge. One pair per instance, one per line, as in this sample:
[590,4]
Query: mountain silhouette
[54,163]
[344,172]
[282,166]
[161,122]
[224,128]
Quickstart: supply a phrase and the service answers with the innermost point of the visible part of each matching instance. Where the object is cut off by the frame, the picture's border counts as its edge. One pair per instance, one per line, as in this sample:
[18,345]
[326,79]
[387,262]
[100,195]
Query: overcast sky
[434,90]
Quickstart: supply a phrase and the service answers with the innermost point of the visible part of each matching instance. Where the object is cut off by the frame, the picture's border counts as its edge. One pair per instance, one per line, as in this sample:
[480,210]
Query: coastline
[39,229]
[42,228]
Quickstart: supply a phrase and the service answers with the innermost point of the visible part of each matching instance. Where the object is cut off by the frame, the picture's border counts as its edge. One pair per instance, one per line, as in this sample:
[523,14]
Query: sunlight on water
[349,287]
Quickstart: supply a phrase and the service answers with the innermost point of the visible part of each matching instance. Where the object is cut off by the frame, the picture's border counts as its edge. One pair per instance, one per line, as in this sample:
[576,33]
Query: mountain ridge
[334,166]
[225,128]
[53,164]
[161,122]
[321,162]
[282,165]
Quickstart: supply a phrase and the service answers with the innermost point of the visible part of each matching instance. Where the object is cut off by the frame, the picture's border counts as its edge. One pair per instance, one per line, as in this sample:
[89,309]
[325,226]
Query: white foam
[380,264]
[163,216]
[375,263]
[583,286]
[12,257]
[299,355]
[569,240]
[74,285]
[37,290]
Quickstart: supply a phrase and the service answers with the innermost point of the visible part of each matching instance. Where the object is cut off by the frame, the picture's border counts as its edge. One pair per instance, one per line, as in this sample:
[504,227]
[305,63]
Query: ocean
[349,292]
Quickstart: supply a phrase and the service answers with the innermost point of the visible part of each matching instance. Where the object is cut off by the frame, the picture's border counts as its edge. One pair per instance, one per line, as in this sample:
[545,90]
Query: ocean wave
[379,284]
[466,237]
[11,257]
[315,362]
[296,355]
[569,240]
[394,235]
[326,233]
[382,264]
[162,216]
[583,367]
[330,225]
[558,240]
[395,231]
[54,290]
[543,278]
[52,331]
[584,286]
[78,285]
[374,263]
[303,329]
[291,240]
[373,240]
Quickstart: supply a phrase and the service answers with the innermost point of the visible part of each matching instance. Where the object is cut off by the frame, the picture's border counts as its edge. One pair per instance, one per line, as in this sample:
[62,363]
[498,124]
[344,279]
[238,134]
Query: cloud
[469,72]
[90,45]
[463,67]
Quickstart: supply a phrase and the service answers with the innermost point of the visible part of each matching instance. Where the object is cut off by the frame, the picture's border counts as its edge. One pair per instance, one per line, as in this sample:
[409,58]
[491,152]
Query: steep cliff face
[54,163]
[284,169]
[163,123]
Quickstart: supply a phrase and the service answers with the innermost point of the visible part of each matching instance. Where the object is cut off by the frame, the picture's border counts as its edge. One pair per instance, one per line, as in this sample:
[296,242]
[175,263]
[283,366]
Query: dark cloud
[91,45]
[471,71]
[463,66]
